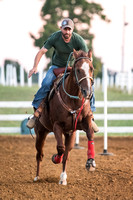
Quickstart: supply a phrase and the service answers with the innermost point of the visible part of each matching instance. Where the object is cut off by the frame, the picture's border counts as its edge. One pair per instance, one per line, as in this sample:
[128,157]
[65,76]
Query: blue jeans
[46,86]
[92,100]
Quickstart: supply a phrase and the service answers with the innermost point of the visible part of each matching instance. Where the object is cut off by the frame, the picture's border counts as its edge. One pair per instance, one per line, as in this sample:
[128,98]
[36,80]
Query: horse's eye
[78,70]
[91,69]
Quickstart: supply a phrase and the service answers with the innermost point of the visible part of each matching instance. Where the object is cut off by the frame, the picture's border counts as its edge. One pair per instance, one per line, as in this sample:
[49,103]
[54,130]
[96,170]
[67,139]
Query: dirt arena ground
[112,180]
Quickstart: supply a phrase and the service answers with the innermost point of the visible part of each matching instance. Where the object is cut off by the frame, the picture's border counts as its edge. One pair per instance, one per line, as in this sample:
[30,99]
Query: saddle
[59,72]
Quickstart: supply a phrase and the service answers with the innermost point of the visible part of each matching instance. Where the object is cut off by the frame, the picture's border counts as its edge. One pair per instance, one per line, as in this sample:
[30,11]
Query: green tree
[80,11]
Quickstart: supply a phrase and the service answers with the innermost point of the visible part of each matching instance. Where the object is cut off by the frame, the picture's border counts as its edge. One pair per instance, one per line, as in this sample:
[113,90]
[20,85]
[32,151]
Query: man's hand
[40,53]
[32,71]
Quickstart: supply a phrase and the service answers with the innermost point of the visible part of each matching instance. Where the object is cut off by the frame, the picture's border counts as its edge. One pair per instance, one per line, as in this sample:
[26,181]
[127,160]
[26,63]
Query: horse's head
[83,70]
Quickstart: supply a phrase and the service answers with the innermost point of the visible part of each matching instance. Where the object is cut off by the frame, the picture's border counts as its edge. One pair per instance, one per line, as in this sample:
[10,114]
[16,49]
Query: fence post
[105,86]
[21,76]
[129,86]
[30,81]
[77,138]
[105,109]
[8,74]
[2,76]
[111,81]
[77,141]
[14,76]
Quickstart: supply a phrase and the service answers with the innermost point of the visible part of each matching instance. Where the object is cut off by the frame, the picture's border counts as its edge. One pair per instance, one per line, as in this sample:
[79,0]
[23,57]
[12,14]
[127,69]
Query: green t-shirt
[62,49]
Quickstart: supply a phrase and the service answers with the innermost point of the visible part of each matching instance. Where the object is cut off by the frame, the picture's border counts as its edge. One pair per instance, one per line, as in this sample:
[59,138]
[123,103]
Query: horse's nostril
[86,93]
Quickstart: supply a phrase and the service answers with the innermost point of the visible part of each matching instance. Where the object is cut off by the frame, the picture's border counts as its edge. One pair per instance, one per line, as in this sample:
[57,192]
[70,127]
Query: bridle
[85,77]
[77,80]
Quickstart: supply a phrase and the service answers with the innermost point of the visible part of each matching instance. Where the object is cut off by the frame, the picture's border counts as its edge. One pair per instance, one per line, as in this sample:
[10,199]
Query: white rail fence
[100,104]
[121,80]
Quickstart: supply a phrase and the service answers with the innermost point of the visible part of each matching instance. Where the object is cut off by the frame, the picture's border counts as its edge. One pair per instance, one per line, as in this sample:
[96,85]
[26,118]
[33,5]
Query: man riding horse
[63,42]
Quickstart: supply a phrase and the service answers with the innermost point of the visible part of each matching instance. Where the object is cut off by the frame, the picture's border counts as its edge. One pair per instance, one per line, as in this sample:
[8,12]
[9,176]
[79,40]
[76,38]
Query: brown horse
[68,110]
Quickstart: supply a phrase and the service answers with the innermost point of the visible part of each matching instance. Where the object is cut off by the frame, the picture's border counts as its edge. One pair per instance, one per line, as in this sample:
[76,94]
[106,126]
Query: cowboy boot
[94,125]
[37,113]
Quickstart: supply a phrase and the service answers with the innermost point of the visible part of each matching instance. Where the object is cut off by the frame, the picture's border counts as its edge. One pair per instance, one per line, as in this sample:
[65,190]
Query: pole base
[76,146]
[106,153]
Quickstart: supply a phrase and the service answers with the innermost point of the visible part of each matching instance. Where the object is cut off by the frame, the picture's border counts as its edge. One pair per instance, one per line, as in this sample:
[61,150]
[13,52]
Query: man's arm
[83,45]
[40,53]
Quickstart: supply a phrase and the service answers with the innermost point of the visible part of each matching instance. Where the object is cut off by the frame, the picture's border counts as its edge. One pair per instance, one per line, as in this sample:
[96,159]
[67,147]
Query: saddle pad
[56,84]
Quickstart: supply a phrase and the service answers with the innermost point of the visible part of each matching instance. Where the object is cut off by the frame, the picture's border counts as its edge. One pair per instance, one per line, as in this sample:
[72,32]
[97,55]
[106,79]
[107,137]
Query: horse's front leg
[90,164]
[58,131]
[69,144]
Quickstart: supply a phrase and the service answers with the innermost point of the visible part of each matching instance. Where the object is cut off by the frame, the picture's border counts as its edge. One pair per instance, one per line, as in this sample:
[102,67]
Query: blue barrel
[24,129]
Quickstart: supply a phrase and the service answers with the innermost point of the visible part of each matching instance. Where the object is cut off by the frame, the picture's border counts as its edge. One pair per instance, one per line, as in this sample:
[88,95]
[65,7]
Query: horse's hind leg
[40,139]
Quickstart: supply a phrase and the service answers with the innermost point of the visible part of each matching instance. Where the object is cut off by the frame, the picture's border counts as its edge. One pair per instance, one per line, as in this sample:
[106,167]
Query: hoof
[90,165]
[63,178]
[63,182]
[56,159]
[36,178]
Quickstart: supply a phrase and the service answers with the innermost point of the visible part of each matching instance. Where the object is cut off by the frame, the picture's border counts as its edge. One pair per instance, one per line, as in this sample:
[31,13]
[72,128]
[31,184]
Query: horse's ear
[90,54]
[75,53]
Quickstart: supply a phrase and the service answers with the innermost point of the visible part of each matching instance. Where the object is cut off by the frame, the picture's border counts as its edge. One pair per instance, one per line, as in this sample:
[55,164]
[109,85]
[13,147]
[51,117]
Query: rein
[71,96]
[66,107]
[75,113]
[81,108]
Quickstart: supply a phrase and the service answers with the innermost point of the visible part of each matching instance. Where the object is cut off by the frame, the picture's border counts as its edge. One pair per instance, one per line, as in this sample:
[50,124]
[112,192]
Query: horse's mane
[82,54]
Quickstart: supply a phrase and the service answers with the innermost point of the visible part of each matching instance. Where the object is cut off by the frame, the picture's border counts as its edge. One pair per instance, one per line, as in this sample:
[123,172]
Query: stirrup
[31,122]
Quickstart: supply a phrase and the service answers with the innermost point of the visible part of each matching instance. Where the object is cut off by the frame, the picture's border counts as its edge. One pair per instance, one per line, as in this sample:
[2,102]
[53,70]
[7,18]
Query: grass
[114,94]
[17,93]
[27,94]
